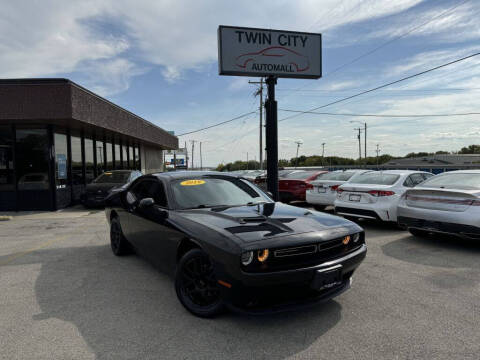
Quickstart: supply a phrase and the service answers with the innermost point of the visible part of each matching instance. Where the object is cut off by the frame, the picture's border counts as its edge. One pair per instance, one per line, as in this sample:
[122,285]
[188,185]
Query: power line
[218,124]
[387,43]
[384,85]
[340,100]
[395,39]
[382,115]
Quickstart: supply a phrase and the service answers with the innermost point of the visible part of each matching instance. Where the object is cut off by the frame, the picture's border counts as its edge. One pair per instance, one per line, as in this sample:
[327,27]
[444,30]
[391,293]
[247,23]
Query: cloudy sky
[158,59]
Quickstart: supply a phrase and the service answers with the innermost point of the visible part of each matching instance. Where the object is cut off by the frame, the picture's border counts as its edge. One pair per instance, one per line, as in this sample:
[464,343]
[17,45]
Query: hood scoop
[252,219]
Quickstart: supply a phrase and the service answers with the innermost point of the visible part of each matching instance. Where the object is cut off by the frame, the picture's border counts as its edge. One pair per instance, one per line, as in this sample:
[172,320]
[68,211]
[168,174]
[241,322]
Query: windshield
[214,191]
[112,178]
[377,178]
[340,176]
[300,175]
[454,181]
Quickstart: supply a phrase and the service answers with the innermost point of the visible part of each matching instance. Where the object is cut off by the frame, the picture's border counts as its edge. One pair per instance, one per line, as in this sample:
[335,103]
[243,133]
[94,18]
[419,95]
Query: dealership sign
[263,52]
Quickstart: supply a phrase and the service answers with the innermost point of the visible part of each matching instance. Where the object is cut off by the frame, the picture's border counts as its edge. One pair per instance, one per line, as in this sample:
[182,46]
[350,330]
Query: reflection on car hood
[267,221]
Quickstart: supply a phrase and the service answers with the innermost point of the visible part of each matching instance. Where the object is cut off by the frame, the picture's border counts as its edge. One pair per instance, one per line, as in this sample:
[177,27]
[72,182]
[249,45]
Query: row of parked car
[419,201]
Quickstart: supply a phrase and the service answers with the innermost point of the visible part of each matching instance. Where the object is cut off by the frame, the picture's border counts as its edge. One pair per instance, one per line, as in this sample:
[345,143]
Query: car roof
[402,172]
[469,171]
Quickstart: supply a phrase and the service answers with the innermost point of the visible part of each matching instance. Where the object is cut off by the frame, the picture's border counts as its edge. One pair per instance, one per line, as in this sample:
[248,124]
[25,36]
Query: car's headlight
[262,255]
[356,237]
[247,258]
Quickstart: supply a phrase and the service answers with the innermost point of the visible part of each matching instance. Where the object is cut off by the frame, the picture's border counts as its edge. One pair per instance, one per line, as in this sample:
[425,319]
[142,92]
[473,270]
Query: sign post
[271,54]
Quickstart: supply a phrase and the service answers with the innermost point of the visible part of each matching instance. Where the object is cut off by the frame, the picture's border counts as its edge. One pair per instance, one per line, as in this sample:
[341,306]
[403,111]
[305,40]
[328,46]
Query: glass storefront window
[77,173]
[125,156]
[109,150]
[131,164]
[89,163]
[137,158]
[32,159]
[61,159]
[118,161]
[100,159]
[6,158]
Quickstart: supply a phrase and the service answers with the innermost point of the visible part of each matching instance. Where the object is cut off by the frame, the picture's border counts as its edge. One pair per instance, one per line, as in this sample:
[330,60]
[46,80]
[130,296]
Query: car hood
[270,221]
[104,187]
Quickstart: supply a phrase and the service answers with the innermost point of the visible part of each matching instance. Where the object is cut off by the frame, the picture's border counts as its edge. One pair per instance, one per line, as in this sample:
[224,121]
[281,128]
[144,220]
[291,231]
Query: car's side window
[157,192]
[150,189]
[139,190]
[427,176]
[408,182]
[416,179]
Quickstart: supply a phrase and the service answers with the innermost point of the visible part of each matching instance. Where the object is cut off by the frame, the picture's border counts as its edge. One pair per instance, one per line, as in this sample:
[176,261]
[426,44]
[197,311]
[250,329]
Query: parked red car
[294,185]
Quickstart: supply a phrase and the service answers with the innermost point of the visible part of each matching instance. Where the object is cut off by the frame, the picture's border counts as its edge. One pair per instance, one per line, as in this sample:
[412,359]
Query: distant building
[444,159]
[56,136]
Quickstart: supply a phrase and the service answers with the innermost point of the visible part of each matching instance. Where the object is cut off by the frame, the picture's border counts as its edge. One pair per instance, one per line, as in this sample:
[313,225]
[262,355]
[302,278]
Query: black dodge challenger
[228,244]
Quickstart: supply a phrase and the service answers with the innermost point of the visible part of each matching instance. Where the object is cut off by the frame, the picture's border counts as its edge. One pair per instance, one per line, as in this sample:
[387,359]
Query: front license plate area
[327,278]
[354,197]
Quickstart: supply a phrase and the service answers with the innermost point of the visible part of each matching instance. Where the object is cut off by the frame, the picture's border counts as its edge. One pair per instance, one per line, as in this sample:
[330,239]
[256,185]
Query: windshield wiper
[208,206]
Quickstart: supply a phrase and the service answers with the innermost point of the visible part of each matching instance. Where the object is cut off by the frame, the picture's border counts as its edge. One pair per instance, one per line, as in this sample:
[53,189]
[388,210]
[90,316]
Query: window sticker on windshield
[192,182]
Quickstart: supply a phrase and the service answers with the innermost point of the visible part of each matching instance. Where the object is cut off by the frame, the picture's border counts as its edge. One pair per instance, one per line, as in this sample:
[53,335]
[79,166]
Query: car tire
[418,232]
[118,242]
[196,285]
[319,207]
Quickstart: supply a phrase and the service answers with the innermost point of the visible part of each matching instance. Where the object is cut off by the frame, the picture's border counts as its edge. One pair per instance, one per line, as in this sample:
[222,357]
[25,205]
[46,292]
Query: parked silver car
[446,203]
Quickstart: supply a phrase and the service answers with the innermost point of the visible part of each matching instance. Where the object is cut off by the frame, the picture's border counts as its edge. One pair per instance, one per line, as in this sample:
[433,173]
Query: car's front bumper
[289,288]
[92,200]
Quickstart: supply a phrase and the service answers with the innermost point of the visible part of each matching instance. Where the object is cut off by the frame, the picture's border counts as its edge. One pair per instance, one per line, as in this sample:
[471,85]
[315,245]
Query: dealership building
[56,137]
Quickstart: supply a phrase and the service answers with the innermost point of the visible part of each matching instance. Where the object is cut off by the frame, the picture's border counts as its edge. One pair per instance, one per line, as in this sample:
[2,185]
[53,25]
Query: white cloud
[55,37]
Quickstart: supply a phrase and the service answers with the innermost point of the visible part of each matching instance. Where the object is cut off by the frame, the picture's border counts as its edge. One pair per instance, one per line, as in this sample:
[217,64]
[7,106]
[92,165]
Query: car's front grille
[300,250]
[306,255]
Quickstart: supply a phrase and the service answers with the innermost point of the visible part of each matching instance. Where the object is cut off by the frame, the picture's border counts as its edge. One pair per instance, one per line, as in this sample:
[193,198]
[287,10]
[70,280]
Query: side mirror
[145,203]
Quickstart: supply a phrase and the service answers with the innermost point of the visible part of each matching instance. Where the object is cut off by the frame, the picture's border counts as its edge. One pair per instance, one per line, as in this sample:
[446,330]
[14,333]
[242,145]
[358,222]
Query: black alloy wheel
[196,285]
[118,243]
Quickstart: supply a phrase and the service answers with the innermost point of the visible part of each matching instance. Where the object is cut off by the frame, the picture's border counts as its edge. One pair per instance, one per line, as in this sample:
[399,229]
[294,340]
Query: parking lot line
[13,257]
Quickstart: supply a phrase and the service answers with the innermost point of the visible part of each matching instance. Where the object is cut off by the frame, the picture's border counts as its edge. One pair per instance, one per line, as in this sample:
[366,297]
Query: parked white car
[324,191]
[446,203]
[375,195]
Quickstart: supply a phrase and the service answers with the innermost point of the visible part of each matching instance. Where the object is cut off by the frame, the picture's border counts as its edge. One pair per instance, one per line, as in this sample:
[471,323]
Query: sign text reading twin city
[263,52]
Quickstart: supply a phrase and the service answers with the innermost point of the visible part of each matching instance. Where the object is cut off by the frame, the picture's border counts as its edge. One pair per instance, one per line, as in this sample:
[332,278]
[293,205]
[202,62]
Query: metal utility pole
[193,150]
[298,147]
[359,143]
[271,135]
[186,156]
[364,129]
[377,151]
[247,160]
[260,92]
[201,164]
[323,152]
[365,152]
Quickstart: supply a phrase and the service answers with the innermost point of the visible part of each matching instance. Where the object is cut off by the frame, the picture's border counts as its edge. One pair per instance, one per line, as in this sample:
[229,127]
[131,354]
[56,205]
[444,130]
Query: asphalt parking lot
[65,296]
